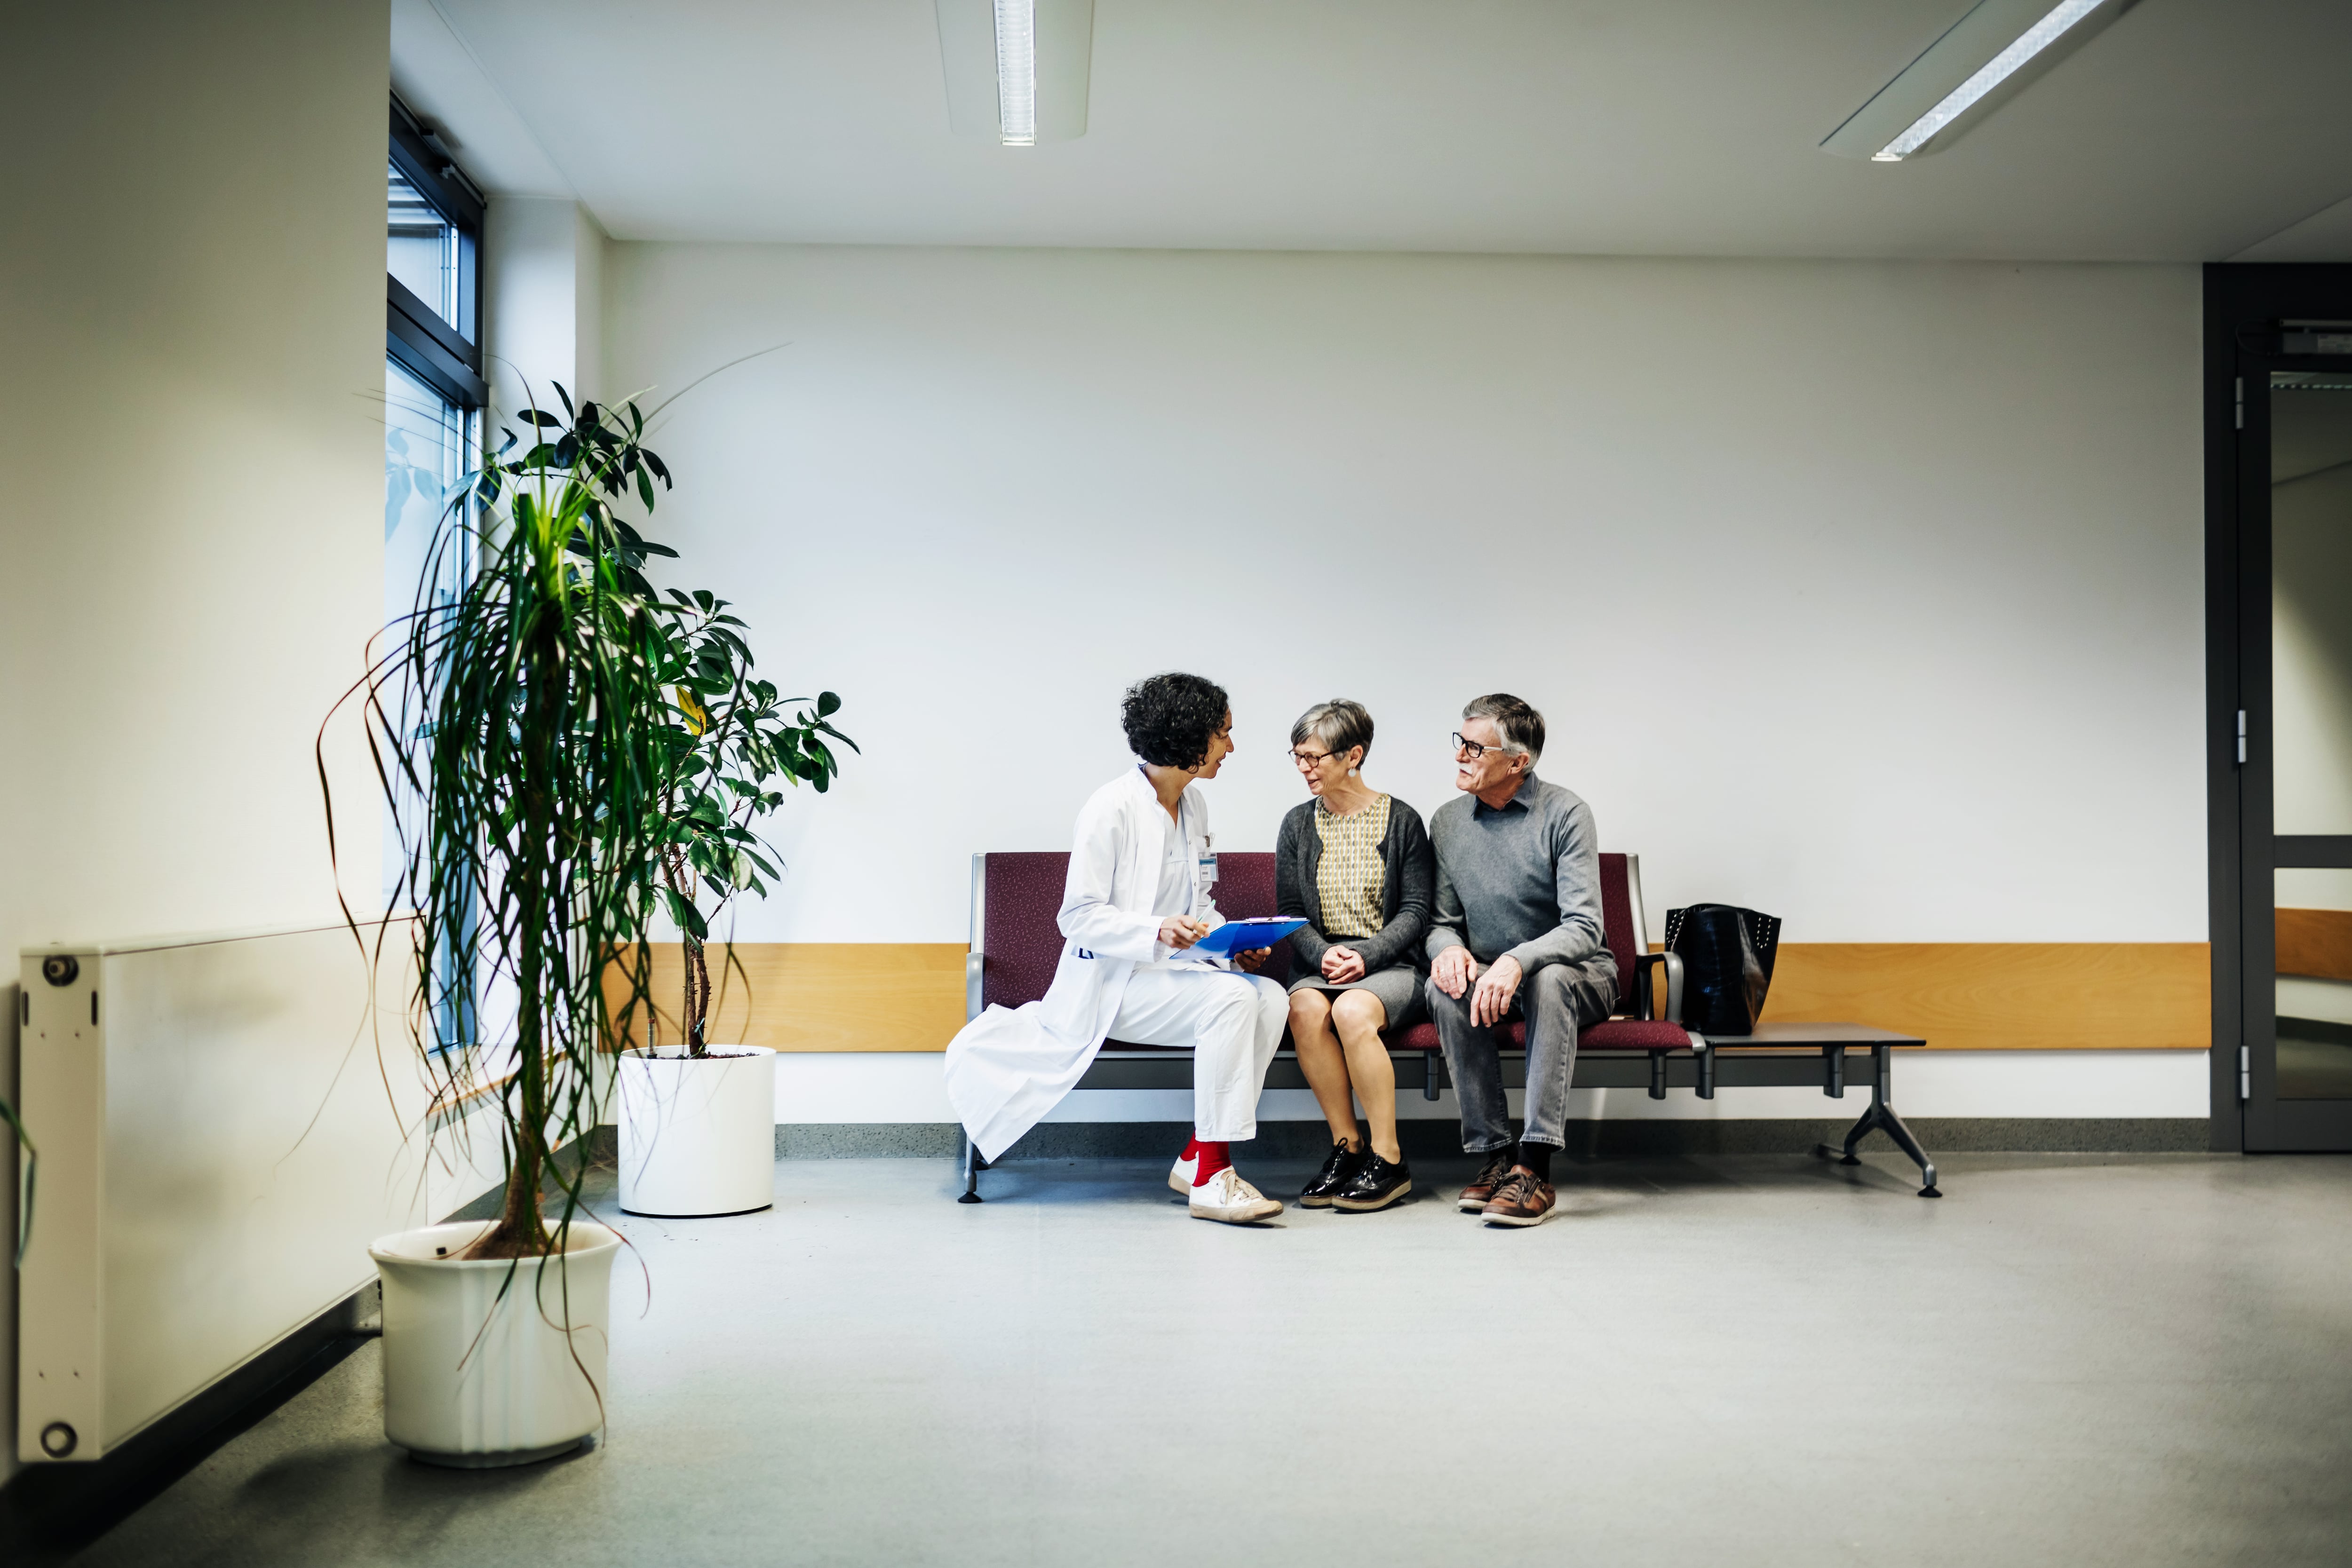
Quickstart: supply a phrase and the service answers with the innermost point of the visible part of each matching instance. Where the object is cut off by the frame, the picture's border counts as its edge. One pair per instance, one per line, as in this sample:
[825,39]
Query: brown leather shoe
[1524,1198]
[1491,1176]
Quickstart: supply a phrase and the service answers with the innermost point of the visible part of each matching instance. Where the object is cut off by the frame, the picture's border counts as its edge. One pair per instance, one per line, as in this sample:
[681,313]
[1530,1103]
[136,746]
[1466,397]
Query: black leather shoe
[1335,1175]
[1376,1184]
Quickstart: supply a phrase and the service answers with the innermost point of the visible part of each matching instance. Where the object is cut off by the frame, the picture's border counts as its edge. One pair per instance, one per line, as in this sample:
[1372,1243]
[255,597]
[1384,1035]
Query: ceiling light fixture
[1016,73]
[1016,69]
[1977,59]
[1962,98]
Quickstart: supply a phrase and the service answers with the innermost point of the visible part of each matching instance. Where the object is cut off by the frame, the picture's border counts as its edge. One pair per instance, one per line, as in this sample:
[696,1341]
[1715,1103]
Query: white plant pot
[699,1133]
[476,1380]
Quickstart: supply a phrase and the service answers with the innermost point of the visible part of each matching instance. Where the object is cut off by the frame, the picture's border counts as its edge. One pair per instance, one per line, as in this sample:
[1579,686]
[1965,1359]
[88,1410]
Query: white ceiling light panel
[1017,71]
[1986,57]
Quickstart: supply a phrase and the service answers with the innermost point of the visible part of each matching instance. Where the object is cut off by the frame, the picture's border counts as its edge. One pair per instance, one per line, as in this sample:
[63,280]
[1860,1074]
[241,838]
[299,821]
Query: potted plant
[515,722]
[698,1122]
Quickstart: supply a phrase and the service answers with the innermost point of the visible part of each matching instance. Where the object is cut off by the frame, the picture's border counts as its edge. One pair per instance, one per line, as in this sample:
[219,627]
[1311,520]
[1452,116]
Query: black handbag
[1726,956]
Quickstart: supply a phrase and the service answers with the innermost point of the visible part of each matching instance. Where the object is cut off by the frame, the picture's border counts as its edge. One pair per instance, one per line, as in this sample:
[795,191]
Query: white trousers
[1234,1024]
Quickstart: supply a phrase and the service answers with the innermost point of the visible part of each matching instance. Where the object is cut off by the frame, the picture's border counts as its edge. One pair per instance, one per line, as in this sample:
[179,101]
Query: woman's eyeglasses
[1309,759]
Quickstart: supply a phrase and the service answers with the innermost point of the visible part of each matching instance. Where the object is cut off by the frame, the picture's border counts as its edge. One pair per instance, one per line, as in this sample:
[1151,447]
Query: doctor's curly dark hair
[1169,717]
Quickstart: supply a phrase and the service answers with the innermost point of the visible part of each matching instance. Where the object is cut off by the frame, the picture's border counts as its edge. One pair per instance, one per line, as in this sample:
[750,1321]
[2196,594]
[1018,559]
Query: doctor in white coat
[1141,889]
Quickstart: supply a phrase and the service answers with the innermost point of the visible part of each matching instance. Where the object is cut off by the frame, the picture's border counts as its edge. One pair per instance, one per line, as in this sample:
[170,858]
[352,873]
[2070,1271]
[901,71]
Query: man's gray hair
[1339,725]
[1522,727]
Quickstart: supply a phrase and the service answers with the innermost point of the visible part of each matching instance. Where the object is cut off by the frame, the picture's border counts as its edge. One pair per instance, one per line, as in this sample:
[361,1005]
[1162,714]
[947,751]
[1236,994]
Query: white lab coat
[1008,1067]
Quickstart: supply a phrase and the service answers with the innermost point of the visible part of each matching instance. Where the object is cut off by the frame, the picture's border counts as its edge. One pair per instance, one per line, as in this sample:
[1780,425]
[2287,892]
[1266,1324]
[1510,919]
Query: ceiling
[2188,130]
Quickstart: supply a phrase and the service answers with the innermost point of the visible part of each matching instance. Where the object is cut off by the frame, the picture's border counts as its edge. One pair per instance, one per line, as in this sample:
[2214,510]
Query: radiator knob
[57,1439]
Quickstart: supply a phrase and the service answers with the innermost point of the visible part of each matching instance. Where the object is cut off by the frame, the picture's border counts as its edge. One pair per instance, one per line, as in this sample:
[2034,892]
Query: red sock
[1191,1149]
[1215,1157]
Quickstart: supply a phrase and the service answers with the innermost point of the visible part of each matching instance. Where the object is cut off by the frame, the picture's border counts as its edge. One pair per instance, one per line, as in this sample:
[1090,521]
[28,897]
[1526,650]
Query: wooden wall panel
[2316,942]
[1961,996]
[2005,996]
[824,995]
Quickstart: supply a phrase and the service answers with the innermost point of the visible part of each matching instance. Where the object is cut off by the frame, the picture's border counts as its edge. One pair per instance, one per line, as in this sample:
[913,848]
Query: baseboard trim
[1587,1140]
[49,1512]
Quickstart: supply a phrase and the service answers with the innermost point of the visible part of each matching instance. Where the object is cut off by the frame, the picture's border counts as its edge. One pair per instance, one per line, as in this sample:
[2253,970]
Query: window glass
[427,253]
[427,448]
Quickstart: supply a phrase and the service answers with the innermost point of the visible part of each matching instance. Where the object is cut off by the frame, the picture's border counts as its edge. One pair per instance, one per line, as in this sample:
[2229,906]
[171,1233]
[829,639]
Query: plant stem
[521,1231]
[698,990]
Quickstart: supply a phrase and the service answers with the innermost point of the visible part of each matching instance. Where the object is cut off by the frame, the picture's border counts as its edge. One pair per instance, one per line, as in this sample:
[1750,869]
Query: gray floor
[1736,1359]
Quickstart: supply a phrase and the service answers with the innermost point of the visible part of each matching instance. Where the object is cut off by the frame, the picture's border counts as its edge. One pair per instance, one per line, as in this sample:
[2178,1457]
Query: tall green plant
[513,722]
[727,739]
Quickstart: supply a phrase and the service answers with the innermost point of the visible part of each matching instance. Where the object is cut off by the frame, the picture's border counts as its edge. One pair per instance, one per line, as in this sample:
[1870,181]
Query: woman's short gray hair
[1521,727]
[1339,725]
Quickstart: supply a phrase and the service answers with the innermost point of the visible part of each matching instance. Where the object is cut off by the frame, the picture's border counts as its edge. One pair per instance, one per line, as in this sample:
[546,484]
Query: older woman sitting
[1357,867]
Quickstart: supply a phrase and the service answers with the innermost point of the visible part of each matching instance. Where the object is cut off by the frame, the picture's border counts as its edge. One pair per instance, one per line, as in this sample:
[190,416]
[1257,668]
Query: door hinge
[2245,1073]
[2242,737]
[2241,403]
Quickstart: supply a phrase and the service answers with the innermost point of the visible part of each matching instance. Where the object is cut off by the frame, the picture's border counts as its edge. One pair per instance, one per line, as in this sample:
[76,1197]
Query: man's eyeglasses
[1470,750]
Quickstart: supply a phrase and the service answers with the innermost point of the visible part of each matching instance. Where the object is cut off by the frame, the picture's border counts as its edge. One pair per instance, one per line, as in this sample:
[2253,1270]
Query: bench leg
[1658,1075]
[1429,1060]
[1705,1055]
[1881,1117]
[971,1167]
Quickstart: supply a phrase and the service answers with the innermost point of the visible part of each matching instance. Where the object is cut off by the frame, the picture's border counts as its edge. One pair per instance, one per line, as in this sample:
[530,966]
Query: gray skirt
[1398,987]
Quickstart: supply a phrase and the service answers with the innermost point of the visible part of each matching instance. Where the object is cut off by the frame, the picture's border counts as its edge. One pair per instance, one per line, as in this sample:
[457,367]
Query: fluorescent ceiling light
[1016,73]
[1962,98]
[1979,56]
[1016,69]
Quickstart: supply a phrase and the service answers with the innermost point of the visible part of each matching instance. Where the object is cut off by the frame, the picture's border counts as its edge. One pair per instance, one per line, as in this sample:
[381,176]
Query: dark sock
[1537,1157]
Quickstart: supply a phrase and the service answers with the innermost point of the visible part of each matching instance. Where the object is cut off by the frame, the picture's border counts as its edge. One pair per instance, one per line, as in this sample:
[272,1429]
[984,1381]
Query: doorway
[2279,460]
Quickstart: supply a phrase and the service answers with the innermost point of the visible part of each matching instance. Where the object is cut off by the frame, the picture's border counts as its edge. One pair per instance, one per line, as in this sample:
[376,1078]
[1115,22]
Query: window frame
[415,333]
[422,344]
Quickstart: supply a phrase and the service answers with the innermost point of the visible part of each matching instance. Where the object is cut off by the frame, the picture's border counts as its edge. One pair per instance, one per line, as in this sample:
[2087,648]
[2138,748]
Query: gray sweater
[1524,880]
[1404,892]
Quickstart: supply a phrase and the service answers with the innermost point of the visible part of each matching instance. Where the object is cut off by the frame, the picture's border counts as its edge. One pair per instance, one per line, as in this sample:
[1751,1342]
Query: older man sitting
[1516,934]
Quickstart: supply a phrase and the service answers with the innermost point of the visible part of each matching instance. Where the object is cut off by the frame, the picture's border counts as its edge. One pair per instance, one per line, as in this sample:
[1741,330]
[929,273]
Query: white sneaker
[1226,1197]
[1180,1174]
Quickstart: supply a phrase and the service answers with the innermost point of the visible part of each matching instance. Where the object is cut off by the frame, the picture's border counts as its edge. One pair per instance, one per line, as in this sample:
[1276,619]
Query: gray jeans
[1557,1000]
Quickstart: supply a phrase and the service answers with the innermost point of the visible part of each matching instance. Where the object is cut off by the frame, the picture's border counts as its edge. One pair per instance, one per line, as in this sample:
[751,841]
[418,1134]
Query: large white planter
[474,1379]
[699,1133]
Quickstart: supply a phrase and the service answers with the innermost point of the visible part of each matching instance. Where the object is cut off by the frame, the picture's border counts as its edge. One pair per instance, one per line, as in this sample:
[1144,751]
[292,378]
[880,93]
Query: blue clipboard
[1242,936]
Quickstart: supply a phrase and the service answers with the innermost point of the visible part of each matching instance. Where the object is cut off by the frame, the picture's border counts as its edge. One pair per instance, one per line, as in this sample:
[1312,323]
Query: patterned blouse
[1350,881]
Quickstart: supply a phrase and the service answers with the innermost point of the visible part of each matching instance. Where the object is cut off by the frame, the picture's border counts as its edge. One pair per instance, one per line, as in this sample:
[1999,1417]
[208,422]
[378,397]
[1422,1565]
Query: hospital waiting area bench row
[1016,944]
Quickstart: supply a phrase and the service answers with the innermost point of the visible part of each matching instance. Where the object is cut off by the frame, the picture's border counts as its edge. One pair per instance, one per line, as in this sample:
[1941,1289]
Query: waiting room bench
[1016,945]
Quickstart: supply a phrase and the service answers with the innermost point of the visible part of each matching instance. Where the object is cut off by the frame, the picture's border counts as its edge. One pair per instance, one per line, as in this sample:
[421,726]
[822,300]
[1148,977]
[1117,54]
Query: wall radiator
[218,1146]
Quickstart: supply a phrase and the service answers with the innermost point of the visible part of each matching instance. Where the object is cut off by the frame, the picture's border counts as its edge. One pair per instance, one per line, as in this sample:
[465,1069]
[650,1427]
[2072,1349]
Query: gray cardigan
[1407,891]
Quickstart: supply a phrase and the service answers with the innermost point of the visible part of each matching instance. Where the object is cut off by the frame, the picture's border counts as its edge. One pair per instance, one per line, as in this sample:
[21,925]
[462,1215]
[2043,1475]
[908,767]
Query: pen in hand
[1179,932]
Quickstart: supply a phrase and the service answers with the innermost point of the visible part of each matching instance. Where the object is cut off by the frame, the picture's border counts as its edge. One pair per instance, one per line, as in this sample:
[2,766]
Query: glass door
[2296,679]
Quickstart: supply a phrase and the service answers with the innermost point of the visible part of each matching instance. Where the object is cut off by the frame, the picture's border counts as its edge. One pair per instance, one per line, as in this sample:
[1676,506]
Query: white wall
[542,285]
[192,319]
[1868,594]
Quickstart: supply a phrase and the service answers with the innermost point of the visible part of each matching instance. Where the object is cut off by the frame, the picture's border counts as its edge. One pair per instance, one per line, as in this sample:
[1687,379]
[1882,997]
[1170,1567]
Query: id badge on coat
[1204,878]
